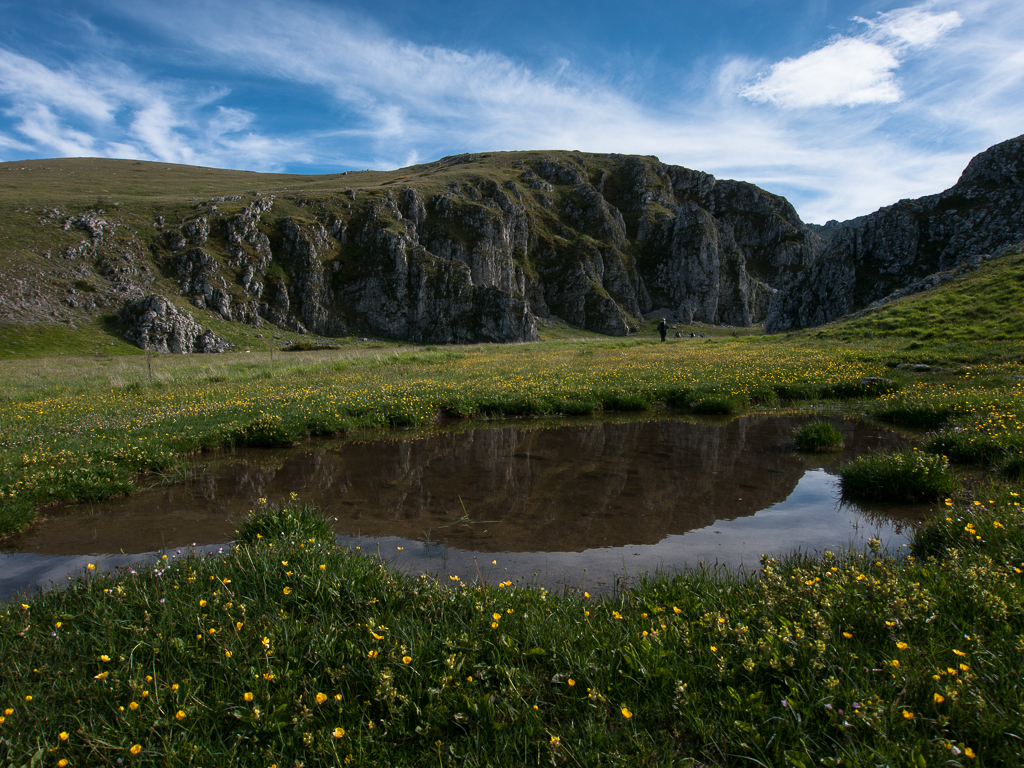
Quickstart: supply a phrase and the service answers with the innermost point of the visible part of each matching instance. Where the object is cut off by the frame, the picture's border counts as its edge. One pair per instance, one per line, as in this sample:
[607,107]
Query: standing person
[663,328]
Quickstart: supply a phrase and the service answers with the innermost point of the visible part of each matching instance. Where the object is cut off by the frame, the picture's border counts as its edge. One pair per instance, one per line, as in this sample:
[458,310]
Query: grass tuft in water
[286,522]
[909,476]
[818,436]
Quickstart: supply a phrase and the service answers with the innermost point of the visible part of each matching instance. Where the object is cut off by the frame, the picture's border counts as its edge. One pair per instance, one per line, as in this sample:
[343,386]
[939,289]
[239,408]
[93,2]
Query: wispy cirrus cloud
[104,109]
[894,108]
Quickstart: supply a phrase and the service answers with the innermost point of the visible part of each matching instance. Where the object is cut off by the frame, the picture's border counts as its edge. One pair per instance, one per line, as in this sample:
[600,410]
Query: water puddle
[589,503]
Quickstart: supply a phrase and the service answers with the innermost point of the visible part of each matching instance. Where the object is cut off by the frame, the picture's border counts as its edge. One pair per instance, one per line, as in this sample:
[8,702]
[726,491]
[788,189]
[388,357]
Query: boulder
[156,324]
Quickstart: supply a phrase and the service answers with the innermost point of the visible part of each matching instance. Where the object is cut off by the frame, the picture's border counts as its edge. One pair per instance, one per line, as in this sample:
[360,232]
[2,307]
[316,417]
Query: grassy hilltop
[290,651]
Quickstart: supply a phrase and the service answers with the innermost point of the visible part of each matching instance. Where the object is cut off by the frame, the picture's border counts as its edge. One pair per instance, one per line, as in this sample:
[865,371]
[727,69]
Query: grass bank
[289,651]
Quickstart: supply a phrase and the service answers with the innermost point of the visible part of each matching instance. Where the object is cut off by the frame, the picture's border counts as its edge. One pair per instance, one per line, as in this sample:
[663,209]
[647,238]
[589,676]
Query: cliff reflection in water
[509,488]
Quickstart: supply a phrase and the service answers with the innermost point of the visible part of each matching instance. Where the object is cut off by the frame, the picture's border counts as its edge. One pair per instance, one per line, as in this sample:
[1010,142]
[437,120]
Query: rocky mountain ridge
[912,245]
[476,248]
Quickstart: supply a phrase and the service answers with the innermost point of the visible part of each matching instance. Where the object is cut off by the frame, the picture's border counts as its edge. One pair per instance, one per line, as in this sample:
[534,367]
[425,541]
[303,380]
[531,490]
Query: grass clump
[266,431]
[927,415]
[1012,467]
[287,522]
[15,514]
[909,476]
[288,649]
[714,405]
[625,401]
[818,436]
[799,390]
[867,387]
[966,446]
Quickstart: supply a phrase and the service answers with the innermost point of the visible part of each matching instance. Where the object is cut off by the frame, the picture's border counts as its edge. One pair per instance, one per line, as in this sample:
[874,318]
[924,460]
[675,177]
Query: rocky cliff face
[870,258]
[476,248]
[595,240]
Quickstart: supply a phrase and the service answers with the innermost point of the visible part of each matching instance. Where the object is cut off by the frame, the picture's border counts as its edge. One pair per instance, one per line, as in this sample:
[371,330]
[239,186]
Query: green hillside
[977,309]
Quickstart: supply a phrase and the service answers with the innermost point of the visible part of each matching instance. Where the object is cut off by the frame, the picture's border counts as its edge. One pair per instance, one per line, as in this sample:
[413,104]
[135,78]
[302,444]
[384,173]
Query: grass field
[289,651]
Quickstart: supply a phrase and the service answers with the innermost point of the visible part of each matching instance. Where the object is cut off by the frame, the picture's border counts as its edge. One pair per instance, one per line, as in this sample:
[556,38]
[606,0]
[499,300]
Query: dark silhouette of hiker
[663,328]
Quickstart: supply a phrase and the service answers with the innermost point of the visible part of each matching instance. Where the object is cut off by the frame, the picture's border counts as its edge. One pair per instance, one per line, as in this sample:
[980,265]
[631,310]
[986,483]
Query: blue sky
[841,106]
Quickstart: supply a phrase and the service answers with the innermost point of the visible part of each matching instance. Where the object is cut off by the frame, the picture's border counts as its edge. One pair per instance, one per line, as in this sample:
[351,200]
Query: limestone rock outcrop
[477,248]
[595,240]
[156,324]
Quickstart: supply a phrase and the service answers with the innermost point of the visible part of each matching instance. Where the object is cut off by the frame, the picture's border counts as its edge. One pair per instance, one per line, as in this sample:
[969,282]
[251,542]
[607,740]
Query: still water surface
[583,504]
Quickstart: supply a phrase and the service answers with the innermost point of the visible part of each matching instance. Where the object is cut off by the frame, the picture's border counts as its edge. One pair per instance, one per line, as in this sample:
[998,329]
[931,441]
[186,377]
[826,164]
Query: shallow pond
[577,504]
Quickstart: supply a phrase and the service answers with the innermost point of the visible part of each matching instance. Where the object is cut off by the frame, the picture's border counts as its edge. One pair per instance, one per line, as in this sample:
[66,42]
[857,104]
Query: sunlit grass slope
[978,307]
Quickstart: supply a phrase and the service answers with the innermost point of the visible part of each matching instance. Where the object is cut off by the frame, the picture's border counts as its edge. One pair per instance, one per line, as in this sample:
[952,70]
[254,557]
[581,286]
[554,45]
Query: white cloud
[26,81]
[911,27]
[846,72]
[38,123]
[851,71]
[9,142]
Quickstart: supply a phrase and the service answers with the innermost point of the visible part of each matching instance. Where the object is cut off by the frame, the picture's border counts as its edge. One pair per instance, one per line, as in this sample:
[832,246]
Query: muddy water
[592,502]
